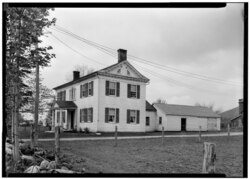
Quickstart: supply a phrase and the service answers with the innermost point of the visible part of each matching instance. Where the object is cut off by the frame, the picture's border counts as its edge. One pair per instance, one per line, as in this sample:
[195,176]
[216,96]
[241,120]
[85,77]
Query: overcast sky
[208,42]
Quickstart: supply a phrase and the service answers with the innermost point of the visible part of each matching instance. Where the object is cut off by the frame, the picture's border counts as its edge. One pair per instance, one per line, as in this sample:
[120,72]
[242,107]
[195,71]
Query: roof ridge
[182,105]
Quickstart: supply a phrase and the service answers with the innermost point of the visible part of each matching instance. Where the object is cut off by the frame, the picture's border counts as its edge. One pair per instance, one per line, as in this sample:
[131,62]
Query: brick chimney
[240,106]
[76,75]
[122,55]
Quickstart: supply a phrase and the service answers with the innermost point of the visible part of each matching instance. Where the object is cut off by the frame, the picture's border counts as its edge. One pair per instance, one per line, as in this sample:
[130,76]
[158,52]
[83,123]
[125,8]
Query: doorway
[72,119]
[183,124]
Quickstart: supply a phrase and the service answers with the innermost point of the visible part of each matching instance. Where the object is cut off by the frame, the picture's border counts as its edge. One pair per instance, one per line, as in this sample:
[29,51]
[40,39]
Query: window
[111,115]
[119,71]
[72,94]
[58,117]
[89,115]
[87,89]
[128,73]
[160,120]
[133,116]
[61,96]
[133,91]
[86,115]
[147,121]
[112,88]
[63,116]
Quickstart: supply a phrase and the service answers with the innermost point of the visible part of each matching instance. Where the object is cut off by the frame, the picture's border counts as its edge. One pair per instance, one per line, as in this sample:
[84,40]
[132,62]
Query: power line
[109,51]
[93,44]
[172,81]
[77,51]
[180,72]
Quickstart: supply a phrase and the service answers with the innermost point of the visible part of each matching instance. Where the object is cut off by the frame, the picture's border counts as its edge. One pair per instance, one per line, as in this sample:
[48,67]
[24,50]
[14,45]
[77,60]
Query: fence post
[115,136]
[57,144]
[162,133]
[228,130]
[209,158]
[199,133]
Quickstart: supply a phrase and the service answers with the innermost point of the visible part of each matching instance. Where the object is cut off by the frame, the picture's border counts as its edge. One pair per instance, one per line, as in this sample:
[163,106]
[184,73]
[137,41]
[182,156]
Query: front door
[183,124]
[72,119]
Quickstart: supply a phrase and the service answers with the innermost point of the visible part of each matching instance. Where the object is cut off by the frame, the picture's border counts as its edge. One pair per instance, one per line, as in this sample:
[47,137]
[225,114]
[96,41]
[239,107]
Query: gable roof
[104,72]
[226,116]
[184,110]
[149,107]
[66,104]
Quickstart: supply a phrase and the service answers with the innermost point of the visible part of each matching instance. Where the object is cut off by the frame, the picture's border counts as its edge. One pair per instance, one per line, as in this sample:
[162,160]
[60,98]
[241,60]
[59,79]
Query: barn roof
[184,110]
[149,107]
[228,115]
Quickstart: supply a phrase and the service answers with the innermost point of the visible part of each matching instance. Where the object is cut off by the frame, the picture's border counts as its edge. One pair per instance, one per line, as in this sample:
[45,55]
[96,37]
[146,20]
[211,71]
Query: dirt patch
[177,155]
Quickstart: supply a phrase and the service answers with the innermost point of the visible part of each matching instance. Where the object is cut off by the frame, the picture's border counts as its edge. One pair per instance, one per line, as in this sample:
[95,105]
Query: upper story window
[133,91]
[61,96]
[133,116]
[111,115]
[72,94]
[112,88]
[128,73]
[87,89]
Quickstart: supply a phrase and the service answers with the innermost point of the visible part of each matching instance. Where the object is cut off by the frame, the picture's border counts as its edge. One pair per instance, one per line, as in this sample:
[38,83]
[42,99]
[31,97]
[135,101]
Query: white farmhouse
[116,96]
[113,96]
[186,118]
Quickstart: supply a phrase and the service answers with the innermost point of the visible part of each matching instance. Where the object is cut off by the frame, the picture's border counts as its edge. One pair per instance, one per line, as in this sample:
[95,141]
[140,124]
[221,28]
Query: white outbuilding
[186,118]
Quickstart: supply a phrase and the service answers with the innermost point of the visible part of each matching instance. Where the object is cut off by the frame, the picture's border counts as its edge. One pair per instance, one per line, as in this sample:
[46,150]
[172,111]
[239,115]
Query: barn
[186,118]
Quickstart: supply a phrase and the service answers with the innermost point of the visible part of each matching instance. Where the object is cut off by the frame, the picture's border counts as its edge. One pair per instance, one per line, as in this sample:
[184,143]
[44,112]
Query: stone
[63,171]
[32,169]
[52,165]
[44,164]
[27,157]
[64,168]
[8,151]
[83,170]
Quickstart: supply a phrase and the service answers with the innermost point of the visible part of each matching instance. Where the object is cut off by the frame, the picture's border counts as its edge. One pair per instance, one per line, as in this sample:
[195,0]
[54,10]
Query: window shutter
[106,114]
[128,116]
[129,88]
[70,94]
[91,110]
[87,92]
[65,95]
[80,91]
[117,115]
[85,115]
[107,88]
[138,117]
[92,86]
[80,115]
[117,89]
[138,91]
[57,96]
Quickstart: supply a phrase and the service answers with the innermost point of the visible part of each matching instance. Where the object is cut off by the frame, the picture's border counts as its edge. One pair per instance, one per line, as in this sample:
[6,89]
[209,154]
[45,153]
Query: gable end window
[111,115]
[133,91]
[133,116]
[112,88]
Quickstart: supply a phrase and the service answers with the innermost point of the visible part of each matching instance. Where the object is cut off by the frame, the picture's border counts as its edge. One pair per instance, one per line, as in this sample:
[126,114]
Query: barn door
[183,124]
[211,124]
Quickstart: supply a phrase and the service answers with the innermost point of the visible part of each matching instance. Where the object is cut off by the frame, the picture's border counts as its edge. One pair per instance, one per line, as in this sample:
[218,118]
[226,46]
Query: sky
[207,42]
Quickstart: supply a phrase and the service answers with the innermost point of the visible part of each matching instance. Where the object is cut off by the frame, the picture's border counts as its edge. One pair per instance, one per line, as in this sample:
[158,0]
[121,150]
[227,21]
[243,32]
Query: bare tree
[83,69]
[210,106]
[162,101]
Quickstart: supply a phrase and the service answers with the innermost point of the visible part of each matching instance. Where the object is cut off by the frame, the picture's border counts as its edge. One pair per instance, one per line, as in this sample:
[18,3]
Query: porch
[64,115]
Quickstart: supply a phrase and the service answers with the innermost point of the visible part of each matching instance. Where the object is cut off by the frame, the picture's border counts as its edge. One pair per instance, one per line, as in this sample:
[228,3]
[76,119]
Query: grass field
[177,155]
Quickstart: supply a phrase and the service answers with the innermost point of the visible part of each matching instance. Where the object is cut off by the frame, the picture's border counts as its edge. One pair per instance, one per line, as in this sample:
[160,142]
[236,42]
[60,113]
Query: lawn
[177,155]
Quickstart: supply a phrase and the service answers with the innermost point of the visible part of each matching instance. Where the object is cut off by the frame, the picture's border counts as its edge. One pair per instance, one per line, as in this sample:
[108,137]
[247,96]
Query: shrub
[86,130]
